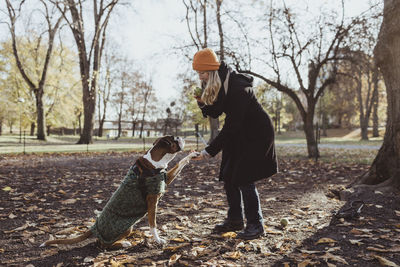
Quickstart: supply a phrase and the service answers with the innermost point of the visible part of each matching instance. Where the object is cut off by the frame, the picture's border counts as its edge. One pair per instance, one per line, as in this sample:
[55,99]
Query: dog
[137,195]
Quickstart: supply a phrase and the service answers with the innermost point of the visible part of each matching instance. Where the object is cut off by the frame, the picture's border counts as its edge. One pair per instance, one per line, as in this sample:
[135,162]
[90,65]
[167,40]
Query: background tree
[194,10]
[384,171]
[35,79]
[312,57]
[90,50]
[107,76]
[147,99]
[62,87]
[121,94]
[134,103]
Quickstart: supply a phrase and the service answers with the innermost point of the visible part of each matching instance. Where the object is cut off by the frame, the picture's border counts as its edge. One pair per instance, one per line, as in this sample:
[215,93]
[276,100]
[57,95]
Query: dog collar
[161,164]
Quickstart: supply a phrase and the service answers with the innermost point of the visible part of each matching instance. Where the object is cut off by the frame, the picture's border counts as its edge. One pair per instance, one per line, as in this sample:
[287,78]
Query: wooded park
[88,87]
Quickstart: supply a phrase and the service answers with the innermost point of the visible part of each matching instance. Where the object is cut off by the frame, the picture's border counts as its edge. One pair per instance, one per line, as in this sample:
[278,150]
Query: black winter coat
[247,137]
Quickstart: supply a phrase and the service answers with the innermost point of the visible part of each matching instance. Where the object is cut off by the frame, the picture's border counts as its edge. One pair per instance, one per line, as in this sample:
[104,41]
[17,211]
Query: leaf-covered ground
[60,194]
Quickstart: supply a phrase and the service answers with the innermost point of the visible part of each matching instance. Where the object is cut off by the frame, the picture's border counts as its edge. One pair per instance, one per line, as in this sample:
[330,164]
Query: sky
[148,30]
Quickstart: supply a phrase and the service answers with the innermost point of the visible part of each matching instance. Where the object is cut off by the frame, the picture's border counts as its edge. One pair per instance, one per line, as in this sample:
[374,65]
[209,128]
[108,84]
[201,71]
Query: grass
[10,144]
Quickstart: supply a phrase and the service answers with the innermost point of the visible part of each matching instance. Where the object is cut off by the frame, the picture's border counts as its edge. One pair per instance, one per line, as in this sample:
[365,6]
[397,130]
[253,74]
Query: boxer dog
[137,195]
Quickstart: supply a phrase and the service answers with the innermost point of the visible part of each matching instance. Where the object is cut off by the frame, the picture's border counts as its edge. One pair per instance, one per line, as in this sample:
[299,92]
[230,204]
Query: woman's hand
[202,155]
[198,98]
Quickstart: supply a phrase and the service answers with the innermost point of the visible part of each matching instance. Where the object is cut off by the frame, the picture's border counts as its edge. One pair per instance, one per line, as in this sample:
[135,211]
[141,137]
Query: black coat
[247,137]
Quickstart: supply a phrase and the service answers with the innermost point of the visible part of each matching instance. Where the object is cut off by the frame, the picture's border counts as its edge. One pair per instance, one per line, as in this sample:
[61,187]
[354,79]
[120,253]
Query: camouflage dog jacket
[126,206]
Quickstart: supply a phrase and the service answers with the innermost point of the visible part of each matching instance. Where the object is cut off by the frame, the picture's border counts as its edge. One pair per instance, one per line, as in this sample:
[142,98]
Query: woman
[246,141]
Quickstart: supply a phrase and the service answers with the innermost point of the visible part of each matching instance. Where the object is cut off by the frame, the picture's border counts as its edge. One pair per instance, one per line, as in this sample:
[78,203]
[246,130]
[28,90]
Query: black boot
[228,226]
[252,231]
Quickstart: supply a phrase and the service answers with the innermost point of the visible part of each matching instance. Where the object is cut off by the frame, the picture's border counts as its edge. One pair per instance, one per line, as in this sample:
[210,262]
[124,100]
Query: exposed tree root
[358,187]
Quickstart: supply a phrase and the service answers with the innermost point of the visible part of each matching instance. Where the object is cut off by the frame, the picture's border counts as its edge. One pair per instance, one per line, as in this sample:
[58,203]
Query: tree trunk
[375,118]
[41,135]
[89,104]
[80,123]
[101,125]
[33,126]
[312,146]
[385,167]
[119,124]
[324,124]
[133,128]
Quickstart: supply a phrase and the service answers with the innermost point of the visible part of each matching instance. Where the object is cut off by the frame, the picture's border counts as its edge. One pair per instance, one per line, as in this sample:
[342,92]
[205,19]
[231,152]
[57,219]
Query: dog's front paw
[160,241]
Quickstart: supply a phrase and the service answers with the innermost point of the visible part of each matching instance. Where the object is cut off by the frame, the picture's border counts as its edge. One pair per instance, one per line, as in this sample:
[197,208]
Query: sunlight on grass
[289,145]
[363,156]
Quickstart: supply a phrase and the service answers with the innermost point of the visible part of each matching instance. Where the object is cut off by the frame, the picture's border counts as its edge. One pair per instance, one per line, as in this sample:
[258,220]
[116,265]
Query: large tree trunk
[385,168]
[41,135]
[88,118]
[312,146]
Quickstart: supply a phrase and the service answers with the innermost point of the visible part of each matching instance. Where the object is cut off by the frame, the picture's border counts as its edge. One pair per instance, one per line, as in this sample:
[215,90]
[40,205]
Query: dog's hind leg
[122,243]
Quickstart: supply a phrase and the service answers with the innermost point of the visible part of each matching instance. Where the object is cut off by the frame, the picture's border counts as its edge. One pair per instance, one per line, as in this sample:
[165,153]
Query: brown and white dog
[157,158]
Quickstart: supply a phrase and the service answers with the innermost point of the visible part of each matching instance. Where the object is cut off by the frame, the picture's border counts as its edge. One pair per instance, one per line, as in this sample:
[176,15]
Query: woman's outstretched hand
[201,155]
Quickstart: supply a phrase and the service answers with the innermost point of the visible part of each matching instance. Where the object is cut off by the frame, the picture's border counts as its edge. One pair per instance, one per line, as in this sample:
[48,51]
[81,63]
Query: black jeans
[251,201]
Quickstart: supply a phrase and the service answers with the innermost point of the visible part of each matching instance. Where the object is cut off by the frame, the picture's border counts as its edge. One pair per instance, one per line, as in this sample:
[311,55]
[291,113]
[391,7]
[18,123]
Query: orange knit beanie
[205,60]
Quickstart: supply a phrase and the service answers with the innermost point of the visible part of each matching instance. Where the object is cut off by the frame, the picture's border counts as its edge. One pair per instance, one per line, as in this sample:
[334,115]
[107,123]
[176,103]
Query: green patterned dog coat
[126,206]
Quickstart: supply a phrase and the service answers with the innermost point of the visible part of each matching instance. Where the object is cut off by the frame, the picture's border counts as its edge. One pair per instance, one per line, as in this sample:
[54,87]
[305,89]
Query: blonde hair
[211,88]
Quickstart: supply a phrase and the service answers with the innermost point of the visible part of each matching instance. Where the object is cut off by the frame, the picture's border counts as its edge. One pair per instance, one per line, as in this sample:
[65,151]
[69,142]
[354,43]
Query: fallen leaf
[197,251]
[229,235]
[179,227]
[49,252]
[174,248]
[23,227]
[88,259]
[272,232]
[385,262]
[7,188]
[309,251]
[68,201]
[356,242]
[325,240]
[12,216]
[329,256]
[393,249]
[304,263]
[177,239]
[233,255]
[174,258]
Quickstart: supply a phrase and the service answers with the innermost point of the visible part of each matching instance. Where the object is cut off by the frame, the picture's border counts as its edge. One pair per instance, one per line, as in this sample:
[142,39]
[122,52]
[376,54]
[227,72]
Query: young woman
[246,141]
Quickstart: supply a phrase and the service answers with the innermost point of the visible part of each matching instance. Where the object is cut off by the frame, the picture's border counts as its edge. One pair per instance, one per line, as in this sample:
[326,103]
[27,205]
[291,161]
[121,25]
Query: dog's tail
[77,239]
